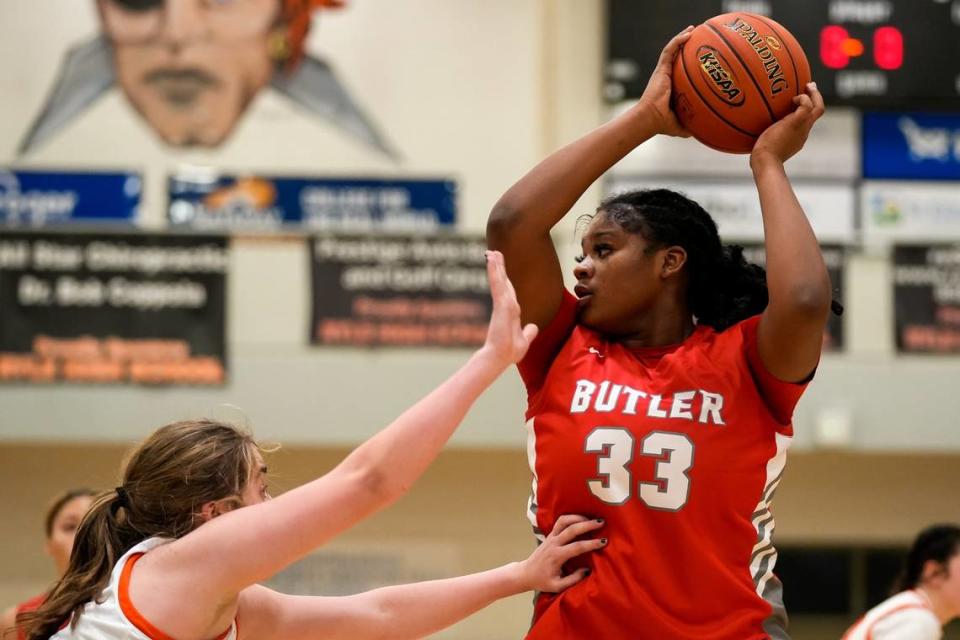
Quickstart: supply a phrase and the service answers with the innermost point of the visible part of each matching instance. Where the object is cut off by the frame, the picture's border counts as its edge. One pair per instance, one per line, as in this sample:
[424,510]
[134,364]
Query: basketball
[736,75]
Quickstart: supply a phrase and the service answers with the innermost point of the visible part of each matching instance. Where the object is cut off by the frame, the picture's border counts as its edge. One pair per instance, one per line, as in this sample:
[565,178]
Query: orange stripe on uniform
[135,617]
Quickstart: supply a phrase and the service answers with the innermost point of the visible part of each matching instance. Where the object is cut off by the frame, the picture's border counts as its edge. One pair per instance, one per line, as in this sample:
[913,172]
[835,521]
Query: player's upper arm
[265,614]
[790,338]
[531,261]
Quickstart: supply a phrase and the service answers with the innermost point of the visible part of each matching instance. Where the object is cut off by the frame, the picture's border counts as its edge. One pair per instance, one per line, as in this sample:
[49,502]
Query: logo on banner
[930,143]
[33,207]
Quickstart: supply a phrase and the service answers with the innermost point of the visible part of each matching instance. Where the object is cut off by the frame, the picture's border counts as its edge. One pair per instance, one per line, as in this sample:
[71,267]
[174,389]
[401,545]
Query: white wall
[516,79]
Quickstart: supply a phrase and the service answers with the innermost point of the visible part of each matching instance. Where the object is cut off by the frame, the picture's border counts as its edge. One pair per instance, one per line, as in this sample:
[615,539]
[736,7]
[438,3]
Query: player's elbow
[502,223]
[809,300]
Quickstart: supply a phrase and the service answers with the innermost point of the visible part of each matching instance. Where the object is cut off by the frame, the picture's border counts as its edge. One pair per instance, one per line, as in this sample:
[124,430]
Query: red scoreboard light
[888,48]
[837,47]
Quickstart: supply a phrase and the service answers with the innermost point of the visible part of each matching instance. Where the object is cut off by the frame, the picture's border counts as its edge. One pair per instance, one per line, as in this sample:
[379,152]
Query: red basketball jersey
[680,450]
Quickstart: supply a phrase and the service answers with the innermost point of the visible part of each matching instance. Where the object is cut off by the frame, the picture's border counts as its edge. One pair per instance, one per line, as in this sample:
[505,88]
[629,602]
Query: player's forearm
[797,278]
[394,458]
[420,609]
[544,195]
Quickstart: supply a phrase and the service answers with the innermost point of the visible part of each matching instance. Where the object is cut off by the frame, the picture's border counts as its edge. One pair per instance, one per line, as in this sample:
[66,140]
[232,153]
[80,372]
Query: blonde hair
[165,483]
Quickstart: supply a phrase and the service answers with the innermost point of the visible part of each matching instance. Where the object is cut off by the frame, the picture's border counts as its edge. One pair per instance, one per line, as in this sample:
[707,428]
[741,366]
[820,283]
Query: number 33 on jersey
[680,449]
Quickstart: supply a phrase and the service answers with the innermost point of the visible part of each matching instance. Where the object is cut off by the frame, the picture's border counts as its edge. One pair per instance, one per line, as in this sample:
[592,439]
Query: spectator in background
[192,67]
[61,524]
[927,593]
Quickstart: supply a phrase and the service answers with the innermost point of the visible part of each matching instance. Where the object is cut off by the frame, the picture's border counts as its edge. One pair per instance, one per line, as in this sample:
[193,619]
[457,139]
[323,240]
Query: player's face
[190,67]
[256,490]
[65,525]
[951,585]
[618,278]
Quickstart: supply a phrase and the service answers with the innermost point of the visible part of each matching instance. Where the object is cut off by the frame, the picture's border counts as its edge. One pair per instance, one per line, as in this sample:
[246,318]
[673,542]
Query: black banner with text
[399,291]
[926,294]
[144,309]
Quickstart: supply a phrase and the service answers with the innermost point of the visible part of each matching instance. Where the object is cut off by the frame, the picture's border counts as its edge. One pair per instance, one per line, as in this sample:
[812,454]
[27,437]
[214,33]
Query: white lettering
[712,404]
[582,395]
[653,409]
[633,396]
[607,402]
[680,407]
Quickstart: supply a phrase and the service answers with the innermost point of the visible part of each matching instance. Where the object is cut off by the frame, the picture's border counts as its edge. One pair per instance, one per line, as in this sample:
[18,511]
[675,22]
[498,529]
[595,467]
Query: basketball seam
[693,85]
[786,47]
[746,69]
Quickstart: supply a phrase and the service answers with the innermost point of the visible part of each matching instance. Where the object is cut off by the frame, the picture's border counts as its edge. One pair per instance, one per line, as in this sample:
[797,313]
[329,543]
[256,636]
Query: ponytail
[938,544]
[166,482]
[100,541]
[724,288]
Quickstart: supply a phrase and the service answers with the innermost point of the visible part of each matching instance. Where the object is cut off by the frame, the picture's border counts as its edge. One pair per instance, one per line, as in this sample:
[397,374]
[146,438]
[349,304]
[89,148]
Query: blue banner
[45,198]
[256,203]
[911,145]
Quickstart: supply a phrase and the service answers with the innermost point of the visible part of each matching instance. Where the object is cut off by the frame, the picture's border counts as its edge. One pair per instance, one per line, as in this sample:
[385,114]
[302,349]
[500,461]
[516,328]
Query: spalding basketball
[736,75]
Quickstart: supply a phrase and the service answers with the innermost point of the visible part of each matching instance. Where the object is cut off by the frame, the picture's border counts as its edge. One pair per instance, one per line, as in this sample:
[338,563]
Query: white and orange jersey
[905,616]
[112,615]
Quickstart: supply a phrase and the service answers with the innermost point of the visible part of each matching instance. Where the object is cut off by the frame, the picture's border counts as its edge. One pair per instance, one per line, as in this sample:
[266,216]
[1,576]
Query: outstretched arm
[216,561]
[790,334]
[520,222]
[415,610]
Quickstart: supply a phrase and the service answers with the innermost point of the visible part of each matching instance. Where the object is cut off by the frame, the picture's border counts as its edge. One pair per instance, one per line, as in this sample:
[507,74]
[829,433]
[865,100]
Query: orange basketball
[737,74]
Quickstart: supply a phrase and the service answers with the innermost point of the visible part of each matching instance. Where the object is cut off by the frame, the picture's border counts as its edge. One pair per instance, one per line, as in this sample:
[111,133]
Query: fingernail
[812,85]
[603,541]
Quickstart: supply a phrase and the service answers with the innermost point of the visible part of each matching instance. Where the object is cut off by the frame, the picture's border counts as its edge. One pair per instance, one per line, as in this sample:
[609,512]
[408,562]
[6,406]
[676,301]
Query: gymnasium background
[276,276]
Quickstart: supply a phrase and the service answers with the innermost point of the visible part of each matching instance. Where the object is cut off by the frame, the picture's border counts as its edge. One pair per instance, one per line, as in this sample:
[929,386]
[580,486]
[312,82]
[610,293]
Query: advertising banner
[735,205]
[348,205]
[911,145]
[44,198]
[910,211]
[926,294]
[112,309]
[399,291]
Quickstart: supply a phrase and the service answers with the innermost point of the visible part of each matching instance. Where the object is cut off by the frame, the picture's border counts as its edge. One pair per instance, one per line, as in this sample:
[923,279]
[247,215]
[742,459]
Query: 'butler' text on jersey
[680,450]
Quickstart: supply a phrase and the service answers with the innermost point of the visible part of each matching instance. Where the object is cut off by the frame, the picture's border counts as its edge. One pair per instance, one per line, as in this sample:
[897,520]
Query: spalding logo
[719,77]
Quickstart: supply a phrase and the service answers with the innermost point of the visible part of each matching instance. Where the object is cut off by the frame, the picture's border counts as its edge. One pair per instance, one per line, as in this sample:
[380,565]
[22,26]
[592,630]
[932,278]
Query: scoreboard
[897,54]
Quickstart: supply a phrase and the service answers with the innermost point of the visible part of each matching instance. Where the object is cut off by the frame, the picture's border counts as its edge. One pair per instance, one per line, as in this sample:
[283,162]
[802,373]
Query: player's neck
[660,327]
[942,608]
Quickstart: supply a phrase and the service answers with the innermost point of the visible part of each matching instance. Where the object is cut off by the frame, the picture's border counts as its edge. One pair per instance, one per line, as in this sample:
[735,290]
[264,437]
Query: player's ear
[672,261]
[932,570]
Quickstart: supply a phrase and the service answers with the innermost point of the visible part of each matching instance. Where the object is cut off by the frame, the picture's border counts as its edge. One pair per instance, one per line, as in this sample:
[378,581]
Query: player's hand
[787,136]
[507,341]
[656,97]
[543,570]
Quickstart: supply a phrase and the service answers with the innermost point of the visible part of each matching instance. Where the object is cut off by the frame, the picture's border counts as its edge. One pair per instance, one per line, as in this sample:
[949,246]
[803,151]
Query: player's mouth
[584,295]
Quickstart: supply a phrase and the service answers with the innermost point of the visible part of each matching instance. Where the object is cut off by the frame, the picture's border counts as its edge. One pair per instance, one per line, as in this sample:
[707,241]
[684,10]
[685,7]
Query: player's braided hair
[937,543]
[724,288]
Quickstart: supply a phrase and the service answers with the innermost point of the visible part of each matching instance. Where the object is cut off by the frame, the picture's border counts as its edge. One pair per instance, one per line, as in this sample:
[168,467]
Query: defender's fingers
[568,581]
[575,549]
[578,529]
[565,521]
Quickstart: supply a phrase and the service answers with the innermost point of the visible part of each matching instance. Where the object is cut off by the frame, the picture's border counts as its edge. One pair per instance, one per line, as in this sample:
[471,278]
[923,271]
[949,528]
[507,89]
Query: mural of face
[191,67]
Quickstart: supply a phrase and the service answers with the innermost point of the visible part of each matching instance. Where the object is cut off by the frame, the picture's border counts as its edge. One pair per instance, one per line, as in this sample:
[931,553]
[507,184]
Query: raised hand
[543,570]
[787,136]
[506,339]
[660,86]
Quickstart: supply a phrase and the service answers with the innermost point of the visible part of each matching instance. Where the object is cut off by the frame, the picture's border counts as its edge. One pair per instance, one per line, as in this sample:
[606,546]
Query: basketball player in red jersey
[660,395]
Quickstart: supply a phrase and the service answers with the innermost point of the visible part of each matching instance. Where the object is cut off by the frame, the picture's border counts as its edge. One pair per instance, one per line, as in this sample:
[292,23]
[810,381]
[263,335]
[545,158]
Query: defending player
[171,554]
